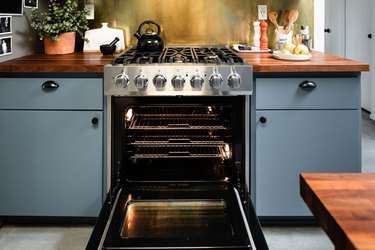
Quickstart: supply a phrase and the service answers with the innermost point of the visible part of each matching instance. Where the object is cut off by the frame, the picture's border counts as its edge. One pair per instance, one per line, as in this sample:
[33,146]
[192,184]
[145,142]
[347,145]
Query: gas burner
[211,59]
[144,60]
[178,58]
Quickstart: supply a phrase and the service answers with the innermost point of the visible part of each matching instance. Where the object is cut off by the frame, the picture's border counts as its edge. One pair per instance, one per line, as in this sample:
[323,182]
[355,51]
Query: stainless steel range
[179,71]
[178,152]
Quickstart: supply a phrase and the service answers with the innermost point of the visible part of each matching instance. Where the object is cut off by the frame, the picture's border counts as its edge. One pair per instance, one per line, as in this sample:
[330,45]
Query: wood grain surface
[344,205]
[262,62]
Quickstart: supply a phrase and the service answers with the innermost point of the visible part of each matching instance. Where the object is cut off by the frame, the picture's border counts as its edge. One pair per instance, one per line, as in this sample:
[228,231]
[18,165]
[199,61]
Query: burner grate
[178,55]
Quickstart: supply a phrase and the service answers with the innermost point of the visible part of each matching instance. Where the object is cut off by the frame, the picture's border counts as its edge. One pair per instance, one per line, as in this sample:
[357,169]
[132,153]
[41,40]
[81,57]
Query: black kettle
[150,41]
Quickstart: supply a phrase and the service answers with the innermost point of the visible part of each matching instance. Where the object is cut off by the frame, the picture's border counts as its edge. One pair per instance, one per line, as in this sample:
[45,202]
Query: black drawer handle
[307,85]
[369,36]
[328,30]
[95,120]
[263,119]
[50,85]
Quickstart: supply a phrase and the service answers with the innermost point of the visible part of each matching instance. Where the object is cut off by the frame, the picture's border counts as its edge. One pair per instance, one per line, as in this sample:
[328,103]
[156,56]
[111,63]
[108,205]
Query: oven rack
[173,122]
[194,110]
[167,140]
[188,151]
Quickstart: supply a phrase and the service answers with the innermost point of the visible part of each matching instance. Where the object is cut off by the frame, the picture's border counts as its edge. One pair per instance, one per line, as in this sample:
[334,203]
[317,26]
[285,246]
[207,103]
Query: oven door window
[194,216]
[176,219]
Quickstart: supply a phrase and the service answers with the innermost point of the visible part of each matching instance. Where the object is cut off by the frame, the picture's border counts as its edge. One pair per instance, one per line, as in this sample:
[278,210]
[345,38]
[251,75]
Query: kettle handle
[149,22]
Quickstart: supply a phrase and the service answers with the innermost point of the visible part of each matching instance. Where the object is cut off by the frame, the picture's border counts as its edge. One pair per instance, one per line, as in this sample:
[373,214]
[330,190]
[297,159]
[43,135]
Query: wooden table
[344,205]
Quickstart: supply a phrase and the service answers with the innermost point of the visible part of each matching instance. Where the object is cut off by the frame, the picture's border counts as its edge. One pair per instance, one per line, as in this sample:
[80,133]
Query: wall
[24,38]
[196,21]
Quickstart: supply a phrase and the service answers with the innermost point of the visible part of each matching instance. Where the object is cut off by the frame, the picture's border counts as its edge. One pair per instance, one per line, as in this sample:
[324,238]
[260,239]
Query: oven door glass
[171,215]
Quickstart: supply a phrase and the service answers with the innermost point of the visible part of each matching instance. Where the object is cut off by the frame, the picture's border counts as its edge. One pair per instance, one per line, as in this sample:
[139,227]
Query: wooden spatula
[272,16]
[292,17]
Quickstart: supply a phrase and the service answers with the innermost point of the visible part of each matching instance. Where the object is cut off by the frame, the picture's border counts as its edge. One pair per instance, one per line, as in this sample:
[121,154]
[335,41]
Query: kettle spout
[137,35]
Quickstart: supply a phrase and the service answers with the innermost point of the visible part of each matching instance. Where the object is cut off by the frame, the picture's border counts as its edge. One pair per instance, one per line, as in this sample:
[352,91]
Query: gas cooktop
[188,70]
[207,55]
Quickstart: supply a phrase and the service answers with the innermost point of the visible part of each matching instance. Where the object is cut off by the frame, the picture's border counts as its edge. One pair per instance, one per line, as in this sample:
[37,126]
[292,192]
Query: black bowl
[107,50]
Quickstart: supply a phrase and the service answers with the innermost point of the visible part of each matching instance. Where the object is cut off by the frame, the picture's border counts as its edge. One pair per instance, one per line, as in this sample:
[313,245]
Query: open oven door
[177,216]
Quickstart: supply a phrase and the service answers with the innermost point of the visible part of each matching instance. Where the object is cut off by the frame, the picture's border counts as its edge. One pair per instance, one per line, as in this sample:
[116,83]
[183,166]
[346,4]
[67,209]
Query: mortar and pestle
[109,49]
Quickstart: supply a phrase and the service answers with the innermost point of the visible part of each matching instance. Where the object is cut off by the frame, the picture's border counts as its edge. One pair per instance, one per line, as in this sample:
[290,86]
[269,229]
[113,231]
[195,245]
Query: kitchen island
[344,206]
[305,117]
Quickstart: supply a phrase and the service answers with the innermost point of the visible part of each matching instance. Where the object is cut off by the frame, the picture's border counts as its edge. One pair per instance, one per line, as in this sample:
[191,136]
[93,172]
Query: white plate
[250,50]
[278,55]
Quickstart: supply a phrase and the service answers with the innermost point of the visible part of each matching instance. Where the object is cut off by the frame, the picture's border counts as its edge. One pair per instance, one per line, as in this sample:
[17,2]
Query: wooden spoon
[272,16]
[292,17]
[286,19]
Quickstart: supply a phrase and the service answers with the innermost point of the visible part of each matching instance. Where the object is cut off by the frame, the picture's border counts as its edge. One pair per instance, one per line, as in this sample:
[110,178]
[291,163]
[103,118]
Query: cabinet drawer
[286,93]
[40,93]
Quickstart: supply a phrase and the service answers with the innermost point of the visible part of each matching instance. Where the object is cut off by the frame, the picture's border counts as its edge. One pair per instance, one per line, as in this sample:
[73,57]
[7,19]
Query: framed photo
[11,7]
[31,3]
[5,46]
[5,24]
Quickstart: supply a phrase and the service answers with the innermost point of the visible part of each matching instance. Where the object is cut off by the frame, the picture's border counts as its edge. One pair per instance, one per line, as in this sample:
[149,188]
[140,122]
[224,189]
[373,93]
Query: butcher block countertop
[344,205]
[94,62]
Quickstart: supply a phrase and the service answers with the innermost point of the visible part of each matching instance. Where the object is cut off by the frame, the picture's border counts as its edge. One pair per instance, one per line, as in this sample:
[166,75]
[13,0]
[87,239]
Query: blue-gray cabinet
[302,125]
[51,147]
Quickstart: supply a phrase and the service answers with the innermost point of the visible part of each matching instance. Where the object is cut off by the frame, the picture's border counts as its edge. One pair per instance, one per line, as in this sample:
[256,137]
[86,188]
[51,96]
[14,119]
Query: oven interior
[176,163]
[179,143]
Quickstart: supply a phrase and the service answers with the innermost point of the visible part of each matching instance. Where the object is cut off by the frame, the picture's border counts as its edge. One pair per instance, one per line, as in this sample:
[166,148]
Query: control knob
[178,82]
[141,81]
[159,81]
[234,80]
[197,82]
[122,80]
[216,80]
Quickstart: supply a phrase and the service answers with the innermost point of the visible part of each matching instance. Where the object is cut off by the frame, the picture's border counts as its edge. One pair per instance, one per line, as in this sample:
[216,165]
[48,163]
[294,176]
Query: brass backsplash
[196,22]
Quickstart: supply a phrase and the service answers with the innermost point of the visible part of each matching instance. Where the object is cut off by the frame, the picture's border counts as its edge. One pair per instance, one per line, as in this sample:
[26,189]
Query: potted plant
[59,25]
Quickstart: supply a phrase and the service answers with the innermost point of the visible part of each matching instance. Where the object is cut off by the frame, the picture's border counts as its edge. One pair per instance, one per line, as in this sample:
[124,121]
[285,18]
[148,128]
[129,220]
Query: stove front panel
[186,73]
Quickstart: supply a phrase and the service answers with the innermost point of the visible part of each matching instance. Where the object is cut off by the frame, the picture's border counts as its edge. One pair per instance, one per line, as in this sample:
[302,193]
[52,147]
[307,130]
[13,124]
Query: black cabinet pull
[50,85]
[369,36]
[307,85]
[95,120]
[263,119]
[327,30]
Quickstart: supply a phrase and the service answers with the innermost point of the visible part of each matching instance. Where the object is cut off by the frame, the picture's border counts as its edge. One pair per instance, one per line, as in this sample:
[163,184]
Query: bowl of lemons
[293,52]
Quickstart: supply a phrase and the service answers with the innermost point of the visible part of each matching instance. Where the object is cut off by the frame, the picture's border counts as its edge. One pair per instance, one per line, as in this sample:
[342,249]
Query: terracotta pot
[64,46]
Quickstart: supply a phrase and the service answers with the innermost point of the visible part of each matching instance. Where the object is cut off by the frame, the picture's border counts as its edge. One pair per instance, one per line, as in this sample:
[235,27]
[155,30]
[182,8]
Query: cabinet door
[358,26]
[50,163]
[289,142]
[334,28]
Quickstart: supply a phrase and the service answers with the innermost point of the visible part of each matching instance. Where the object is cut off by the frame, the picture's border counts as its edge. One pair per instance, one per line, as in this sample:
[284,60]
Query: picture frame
[6,46]
[30,3]
[11,7]
[5,25]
